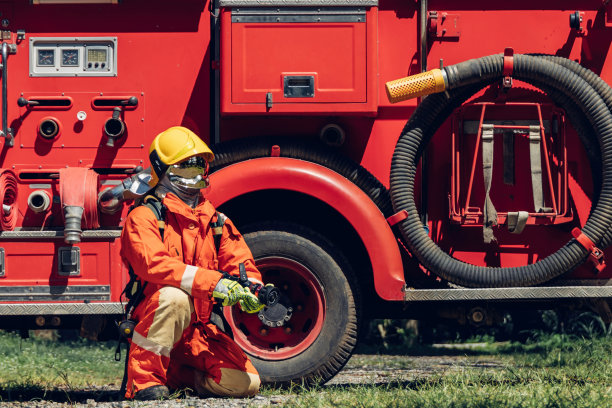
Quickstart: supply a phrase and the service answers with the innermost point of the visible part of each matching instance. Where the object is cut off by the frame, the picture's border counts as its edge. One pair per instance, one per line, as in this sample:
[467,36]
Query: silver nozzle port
[39,201]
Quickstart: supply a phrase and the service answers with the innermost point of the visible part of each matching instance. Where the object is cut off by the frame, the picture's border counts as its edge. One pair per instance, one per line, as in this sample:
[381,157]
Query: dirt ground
[361,369]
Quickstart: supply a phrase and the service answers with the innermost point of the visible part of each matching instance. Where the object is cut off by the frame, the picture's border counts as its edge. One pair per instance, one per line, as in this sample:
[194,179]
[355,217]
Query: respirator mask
[191,173]
[185,179]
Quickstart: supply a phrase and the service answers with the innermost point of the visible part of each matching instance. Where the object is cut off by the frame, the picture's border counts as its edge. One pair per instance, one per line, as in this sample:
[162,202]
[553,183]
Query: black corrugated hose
[584,96]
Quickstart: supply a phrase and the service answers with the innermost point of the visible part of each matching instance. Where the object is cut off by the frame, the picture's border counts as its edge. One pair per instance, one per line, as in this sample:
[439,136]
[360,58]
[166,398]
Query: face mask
[191,173]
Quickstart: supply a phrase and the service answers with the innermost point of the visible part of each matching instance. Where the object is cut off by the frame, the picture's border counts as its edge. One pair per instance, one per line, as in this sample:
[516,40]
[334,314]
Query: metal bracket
[443,25]
[575,21]
[269,100]
[2,262]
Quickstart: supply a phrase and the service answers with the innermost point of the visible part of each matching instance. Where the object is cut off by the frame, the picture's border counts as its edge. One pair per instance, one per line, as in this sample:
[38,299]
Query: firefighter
[174,344]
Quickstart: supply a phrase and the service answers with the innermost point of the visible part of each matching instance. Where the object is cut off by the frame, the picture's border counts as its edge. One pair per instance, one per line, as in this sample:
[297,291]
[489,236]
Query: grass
[550,371]
[38,367]
[554,370]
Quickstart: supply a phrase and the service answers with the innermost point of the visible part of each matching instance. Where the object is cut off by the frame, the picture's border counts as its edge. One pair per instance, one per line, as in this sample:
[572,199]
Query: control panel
[70,56]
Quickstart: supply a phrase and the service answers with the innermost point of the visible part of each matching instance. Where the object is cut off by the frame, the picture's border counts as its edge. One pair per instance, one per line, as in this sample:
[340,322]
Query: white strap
[517,221]
[536,167]
[489,212]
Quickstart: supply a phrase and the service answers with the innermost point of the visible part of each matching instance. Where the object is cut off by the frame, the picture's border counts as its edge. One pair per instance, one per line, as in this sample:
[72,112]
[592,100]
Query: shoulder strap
[155,205]
[217,228]
[488,210]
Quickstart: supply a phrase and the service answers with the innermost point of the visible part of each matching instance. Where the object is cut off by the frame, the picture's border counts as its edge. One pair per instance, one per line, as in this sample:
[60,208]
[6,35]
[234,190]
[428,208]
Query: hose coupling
[39,201]
[72,227]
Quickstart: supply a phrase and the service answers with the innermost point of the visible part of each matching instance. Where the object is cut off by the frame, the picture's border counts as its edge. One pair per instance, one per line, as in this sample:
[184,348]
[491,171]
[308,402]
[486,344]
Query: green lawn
[554,371]
[36,362]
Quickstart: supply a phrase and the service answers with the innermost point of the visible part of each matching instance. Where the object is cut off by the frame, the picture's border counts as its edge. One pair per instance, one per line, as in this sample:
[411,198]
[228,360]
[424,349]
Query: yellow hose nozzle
[414,86]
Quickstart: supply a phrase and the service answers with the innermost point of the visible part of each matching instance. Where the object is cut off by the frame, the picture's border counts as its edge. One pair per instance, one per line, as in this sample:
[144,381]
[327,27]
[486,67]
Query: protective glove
[250,303]
[229,292]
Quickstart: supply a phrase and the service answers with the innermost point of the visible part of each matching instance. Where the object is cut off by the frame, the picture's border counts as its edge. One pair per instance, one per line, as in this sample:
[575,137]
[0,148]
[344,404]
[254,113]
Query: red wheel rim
[279,343]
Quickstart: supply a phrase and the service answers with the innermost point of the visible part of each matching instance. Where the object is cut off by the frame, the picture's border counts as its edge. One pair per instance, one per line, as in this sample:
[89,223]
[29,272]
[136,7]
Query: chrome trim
[299,15]
[59,234]
[300,3]
[531,293]
[35,309]
[46,293]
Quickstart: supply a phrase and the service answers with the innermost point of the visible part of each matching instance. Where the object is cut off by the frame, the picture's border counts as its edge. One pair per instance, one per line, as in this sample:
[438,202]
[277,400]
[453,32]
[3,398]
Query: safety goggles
[190,173]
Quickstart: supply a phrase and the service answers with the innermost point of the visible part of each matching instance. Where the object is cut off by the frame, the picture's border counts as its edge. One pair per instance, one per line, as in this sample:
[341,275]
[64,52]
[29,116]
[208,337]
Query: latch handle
[131,101]
[6,131]
[25,102]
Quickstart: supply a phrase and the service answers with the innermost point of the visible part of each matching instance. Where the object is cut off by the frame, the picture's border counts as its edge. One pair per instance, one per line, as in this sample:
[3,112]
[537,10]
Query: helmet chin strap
[189,196]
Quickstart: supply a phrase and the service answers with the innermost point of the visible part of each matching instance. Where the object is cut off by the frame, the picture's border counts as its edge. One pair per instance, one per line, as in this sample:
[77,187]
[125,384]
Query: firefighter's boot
[156,392]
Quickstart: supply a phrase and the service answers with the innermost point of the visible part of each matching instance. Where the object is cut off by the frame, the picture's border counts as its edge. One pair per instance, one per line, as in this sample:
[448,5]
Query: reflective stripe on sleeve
[142,342]
[188,278]
[253,280]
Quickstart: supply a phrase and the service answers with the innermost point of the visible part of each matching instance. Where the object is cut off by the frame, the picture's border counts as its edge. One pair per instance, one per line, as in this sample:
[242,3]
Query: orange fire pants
[171,347]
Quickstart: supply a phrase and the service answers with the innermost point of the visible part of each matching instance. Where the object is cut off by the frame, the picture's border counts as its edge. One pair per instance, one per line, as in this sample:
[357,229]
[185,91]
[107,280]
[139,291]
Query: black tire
[334,344]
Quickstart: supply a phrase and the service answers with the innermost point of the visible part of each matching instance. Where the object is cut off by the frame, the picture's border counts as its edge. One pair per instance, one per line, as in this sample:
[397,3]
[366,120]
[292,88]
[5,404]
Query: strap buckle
[596,255]
[397,217]
[508,67]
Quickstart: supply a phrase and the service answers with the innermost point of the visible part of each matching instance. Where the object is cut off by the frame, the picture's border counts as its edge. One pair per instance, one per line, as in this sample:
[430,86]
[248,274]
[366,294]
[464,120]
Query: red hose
[8,196]
[90,205]
[79,187]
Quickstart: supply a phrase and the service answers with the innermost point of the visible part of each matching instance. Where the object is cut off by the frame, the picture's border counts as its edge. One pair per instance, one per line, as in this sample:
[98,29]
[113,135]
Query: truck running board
[530,293]
[36,309]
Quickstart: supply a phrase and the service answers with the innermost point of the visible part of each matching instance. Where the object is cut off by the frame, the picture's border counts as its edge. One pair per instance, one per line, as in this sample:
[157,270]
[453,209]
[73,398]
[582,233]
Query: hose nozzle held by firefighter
[274,308]
[230,290]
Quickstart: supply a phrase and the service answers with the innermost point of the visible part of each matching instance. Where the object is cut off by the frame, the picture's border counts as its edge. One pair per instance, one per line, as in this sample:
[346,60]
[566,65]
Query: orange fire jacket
[187,257]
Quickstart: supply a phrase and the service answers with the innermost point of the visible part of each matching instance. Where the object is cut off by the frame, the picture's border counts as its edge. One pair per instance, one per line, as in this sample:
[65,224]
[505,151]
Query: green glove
[229,292]
[250,303]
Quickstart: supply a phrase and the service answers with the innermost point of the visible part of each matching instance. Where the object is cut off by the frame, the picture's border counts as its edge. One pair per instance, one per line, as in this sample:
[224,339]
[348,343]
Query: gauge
[70,58]
[46,58]
[96,55]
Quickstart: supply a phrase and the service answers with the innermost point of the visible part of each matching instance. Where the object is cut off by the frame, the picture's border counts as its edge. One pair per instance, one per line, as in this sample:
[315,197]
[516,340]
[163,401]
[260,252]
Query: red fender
[317,181]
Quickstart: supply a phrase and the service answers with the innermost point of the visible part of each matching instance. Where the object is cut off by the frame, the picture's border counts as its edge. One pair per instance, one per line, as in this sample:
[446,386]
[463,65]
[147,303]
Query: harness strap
[517,221]
[124,380]
[159,210]
[489,212]
[536,167]
[217,229]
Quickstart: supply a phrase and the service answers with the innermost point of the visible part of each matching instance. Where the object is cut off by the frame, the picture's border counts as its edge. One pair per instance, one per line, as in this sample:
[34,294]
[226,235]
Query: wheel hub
[288,328]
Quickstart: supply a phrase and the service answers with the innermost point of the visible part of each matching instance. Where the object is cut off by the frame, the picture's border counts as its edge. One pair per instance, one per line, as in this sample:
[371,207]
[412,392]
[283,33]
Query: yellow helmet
[173,146]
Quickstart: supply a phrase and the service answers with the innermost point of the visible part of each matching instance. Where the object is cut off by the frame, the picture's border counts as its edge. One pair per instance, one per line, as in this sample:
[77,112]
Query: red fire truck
[479,182]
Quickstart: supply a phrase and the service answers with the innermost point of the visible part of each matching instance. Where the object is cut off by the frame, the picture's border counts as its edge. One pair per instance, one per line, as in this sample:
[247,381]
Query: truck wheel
[322,333]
